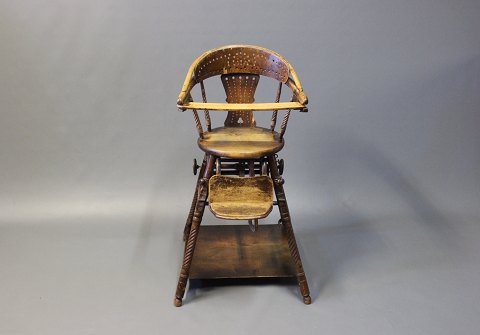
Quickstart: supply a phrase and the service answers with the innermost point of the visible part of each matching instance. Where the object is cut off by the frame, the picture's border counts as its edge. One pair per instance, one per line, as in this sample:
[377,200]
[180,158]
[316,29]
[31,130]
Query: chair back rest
[241,59]
[240,88]
[240,68]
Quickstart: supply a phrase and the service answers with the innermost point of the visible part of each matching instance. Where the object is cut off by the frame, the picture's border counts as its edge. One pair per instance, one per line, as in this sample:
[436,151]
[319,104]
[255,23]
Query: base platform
[234,251]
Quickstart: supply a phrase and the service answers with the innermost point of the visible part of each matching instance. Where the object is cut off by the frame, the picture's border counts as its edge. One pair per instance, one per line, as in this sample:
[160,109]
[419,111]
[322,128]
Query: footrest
[240,198]
[233,251]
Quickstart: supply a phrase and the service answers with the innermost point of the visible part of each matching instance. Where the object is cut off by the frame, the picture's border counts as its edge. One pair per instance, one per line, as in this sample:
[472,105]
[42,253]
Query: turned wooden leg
[188,224]
[287,226]
[193,231]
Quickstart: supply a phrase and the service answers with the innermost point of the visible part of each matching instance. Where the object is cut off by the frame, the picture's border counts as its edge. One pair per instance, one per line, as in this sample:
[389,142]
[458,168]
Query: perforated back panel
[241,59]
[240,88]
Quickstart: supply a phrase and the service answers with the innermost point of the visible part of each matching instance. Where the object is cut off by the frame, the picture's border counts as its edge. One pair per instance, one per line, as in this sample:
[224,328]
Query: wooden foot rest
[240,198]
[233,251]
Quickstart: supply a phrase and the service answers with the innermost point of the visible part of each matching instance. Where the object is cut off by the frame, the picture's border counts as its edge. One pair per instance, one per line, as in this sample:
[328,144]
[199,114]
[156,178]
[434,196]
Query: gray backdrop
[381,175]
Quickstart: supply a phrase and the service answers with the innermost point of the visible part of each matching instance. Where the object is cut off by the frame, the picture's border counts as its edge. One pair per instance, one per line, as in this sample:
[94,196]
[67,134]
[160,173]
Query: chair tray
[240,198]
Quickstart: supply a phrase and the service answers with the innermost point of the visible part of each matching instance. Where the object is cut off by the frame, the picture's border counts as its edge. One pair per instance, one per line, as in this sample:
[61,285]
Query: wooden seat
[234,198]
[240,170]
[242,143]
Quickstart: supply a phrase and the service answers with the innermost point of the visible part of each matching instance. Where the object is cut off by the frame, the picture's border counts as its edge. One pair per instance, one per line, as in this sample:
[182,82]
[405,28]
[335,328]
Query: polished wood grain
[243,157]
[261,106]
[233,251]
[241,59]
[240,89]
[241,143]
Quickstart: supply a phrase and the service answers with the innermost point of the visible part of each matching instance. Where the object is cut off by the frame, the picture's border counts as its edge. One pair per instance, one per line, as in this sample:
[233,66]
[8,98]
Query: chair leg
[188,224]
[193,234]
[288,228]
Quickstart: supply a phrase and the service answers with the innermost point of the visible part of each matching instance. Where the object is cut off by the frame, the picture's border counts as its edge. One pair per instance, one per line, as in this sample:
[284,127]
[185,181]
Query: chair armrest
[241,107]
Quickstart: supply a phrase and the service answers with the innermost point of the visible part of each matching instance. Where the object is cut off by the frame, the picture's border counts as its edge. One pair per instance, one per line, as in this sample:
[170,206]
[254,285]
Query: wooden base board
[234,251]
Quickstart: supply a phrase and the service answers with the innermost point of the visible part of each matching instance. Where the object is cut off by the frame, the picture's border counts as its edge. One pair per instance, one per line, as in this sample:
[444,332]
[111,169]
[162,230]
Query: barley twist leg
[188,224]
[193,234]
[288,229]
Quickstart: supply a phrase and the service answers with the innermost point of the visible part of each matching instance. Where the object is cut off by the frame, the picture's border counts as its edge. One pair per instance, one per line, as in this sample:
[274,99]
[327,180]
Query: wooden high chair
[240,172]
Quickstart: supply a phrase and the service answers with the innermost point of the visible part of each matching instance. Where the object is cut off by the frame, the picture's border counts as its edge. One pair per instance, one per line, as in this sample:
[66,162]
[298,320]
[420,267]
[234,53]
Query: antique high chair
[240,172]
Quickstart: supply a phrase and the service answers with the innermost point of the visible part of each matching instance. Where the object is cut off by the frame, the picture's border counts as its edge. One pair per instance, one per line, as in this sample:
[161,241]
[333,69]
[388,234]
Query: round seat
[241,142]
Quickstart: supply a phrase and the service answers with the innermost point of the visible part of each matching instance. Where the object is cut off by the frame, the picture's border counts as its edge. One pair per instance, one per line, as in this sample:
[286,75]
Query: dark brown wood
[198,124]
[274,113]
[283,127]
[188,224]
[243,59]
[233,251]
[240,88]
[278,182]
[192,236]
[248,152]
[232,59]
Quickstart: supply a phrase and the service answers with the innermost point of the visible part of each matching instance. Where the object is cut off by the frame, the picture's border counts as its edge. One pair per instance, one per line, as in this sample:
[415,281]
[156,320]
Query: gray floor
[389,275]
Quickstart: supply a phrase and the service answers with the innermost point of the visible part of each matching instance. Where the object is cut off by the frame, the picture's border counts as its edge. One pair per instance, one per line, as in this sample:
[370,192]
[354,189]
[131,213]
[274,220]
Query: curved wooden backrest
[244,59]
[241,59]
